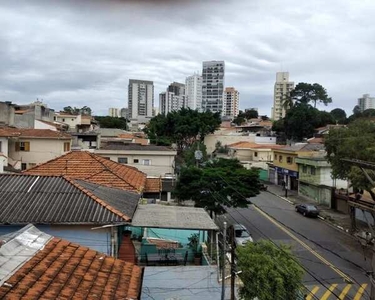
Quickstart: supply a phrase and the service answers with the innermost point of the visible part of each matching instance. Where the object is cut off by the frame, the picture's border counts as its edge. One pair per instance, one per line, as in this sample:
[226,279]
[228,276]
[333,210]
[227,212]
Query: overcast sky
[84,52]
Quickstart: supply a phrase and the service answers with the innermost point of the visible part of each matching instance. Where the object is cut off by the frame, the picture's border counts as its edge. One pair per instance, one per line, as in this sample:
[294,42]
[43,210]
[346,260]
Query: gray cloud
[84,52]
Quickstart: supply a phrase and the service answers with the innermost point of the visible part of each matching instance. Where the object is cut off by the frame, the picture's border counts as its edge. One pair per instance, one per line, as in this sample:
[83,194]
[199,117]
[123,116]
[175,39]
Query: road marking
[329,291]
[303,244]
[344,292]
[361,290]
[312,293]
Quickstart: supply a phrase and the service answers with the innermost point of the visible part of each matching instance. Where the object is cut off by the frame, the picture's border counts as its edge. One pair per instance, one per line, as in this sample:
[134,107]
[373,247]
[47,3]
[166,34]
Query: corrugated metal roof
[123,201]
[52,200]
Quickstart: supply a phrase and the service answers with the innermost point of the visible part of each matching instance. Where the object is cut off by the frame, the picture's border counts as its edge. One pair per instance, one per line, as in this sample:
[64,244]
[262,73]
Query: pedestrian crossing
[338,291]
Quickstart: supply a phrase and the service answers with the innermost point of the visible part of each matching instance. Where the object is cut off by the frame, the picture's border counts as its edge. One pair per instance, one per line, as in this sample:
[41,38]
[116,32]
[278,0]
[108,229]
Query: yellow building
[284,169]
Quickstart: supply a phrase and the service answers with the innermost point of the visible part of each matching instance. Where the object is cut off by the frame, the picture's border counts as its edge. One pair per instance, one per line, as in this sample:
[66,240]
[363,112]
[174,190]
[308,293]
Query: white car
[242,236]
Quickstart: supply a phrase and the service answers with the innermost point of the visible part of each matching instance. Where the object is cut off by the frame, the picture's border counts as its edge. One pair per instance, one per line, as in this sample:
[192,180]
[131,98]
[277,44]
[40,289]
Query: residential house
[227,136]
[55,126]
[67,208]
[95,169]
[315,179]
[77,123]
[36,265]
[252,154]
[25,148]
[150,159]
[284,169]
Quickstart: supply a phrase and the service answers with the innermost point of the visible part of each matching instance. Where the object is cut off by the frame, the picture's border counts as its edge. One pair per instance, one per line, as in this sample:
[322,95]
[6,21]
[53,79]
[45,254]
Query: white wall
[265,140]
[326,179]
[4,149]
[41,125]
[161,162]
[41,150]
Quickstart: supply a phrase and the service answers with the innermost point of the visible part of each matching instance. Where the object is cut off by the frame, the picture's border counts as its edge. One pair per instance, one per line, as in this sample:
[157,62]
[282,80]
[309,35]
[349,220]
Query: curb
[338,227]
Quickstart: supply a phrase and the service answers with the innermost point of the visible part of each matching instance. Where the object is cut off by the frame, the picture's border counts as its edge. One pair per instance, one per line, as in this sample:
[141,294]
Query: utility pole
[232,264]
[223,270]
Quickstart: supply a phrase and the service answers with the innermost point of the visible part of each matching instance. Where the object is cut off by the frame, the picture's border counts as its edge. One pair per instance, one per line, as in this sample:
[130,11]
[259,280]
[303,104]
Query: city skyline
[75,55]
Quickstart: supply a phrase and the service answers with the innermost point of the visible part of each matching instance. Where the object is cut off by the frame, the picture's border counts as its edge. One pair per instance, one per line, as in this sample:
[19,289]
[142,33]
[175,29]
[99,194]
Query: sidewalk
[334,218]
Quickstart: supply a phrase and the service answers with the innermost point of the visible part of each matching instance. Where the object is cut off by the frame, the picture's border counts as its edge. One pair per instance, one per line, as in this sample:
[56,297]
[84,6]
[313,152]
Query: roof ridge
[97,199]
[42,164]
[96,157]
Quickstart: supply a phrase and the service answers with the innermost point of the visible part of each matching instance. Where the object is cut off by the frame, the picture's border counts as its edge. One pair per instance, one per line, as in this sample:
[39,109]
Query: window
[304,169]
[72,119]
[312,171]
[146,162]
[289,160]
[136,161]
[66,146]
[63,120]
[280,158]
[23,166]
[256,154]
[275,156]
[122,160]
[22,146]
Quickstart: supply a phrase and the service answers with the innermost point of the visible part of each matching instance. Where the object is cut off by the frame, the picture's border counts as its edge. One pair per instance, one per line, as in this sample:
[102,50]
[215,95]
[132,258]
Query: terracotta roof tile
[62,270]
[153,185]
[32,133]
[93,168]
[247,145]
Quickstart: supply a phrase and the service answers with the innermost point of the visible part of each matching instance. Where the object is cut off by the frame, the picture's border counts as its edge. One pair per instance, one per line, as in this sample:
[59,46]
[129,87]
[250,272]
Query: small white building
[25,148]
[150,159]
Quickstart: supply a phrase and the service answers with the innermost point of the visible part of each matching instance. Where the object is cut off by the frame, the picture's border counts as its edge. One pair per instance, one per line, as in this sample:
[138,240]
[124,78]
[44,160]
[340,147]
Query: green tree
[306,92]
[218,184]
[356,141]
[269,272]
[111,122]
[85,110]
[339,115]
[183,127]
[239,120]
[302,119]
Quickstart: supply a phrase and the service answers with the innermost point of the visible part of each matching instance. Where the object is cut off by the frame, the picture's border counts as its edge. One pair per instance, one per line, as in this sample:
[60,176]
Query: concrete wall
[99,240]
[4,149]
[41,150]
[265,140]
[161,163]
[71,120]
[41,125]
[6,113]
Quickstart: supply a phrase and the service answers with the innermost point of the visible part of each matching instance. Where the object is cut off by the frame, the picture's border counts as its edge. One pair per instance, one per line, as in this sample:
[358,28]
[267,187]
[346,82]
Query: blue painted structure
[99,240]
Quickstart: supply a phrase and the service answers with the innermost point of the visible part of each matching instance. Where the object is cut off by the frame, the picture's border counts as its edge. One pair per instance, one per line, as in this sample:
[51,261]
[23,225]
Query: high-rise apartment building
[113,112]
[173,98]
[366,102]
[140,99]
[283,87]
[213,85]
[231,102]
[193,92]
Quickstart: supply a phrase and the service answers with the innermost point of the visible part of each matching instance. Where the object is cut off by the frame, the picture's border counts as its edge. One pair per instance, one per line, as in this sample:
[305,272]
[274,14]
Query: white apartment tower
[172,99]
[193,92]
[213,85]
[140,99]
[283,87]
[366,102]
[231,102]
[113,112]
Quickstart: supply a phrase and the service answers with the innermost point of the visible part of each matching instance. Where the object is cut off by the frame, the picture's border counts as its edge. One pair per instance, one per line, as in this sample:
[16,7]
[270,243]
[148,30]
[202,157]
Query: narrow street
[334,262]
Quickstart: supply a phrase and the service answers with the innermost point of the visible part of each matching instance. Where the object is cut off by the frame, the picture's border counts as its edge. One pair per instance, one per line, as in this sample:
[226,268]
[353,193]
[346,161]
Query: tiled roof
[58,200]
[304,147]
[32,133]
[248,145]
[94,168]
[315,140]
[153,185]
[60,269]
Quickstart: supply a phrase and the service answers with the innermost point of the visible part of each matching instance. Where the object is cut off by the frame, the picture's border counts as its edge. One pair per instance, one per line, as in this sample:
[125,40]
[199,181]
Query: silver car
[242,236]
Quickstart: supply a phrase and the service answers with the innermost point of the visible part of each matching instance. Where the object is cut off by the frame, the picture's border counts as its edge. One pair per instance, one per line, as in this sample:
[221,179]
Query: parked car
[242,236]
[307,210]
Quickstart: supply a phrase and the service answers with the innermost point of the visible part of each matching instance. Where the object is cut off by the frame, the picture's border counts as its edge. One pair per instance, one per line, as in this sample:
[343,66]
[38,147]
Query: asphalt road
[334,261]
